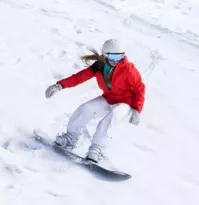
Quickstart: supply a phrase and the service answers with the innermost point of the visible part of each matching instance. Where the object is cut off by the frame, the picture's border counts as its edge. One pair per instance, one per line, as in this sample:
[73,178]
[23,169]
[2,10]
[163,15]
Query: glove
[51,90]
[135,117]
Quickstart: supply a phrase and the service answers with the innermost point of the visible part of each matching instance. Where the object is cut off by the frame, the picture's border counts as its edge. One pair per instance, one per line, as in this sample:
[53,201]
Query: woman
[123,96]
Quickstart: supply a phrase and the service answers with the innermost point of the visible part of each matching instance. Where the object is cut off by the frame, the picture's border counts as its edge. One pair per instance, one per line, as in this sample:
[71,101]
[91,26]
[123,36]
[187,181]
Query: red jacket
[126,85]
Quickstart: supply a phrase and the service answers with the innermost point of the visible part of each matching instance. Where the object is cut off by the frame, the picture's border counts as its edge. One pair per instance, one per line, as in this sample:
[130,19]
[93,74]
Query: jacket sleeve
[137,87]
[77,78]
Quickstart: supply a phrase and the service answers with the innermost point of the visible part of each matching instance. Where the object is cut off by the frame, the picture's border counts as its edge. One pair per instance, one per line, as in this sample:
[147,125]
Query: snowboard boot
[66,141]
[95,153]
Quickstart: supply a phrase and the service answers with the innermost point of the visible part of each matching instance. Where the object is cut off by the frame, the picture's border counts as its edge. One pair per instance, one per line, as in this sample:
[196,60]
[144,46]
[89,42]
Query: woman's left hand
[135,117]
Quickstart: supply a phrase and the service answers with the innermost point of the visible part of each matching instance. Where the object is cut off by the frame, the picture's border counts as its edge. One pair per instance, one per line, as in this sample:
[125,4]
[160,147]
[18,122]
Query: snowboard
[103,170]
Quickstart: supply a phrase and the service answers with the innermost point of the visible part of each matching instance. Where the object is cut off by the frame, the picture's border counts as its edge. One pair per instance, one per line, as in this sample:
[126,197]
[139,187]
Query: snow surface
[41,41]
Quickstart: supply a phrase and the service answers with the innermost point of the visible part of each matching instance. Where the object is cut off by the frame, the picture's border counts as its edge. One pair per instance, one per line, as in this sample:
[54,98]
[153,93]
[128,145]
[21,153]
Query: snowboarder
[123,97]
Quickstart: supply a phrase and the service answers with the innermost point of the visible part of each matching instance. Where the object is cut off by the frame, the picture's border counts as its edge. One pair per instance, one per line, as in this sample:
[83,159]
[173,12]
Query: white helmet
[111,46]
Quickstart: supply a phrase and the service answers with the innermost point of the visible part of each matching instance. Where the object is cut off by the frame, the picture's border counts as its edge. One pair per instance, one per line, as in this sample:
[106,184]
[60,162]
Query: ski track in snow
[40,42]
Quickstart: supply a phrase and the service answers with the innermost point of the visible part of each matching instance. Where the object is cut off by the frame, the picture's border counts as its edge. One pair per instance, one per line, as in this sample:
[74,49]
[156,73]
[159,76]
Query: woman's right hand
[51,90]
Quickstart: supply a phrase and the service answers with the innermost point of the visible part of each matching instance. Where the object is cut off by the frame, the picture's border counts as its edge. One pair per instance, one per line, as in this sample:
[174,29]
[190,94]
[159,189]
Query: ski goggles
[113,57]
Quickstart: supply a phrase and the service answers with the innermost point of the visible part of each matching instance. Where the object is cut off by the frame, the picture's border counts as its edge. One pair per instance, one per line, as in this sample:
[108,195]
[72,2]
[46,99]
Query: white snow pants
[97,108]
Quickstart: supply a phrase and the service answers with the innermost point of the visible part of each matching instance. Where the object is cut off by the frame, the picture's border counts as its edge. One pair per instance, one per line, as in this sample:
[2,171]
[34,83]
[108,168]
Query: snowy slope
[41,41]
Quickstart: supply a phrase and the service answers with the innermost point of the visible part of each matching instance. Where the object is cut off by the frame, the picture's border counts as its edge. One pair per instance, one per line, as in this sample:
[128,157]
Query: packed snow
[41,42]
